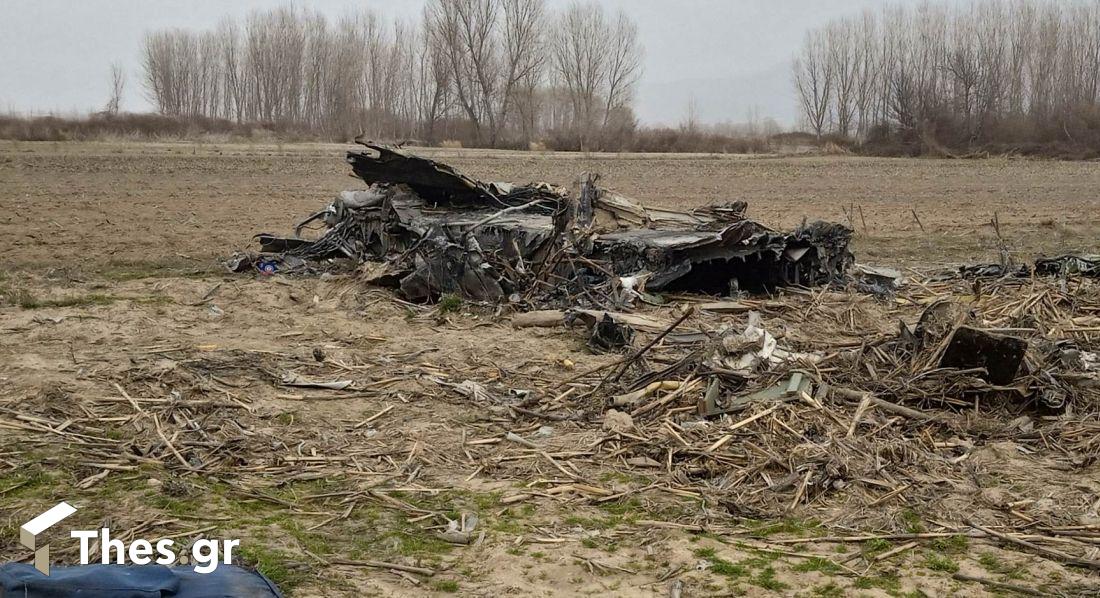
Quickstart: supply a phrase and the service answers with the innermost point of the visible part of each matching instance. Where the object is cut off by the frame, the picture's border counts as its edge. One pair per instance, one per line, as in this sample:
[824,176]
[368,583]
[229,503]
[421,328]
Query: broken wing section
[740,256]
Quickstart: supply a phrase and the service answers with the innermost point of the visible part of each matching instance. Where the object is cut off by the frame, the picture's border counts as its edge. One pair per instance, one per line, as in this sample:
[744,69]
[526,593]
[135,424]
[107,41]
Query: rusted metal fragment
[712,404]
[999,355]
[1063,265]
[608,335]
[1068,265]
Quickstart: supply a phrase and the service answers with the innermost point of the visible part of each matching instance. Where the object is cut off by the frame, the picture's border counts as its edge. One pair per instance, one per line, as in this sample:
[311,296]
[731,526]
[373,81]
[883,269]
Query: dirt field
[113,309]
[66,204]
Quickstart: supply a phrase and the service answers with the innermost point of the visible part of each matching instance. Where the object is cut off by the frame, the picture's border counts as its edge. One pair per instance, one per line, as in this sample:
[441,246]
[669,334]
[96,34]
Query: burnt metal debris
[429,230]
[440,232]
[1063,265]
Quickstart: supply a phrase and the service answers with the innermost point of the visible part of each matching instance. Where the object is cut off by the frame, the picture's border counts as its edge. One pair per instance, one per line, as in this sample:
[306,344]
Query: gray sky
[730,55]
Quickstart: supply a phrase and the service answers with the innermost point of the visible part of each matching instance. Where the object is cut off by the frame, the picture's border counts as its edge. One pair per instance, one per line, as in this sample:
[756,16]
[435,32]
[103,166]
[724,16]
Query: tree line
[962,75]
[498,73]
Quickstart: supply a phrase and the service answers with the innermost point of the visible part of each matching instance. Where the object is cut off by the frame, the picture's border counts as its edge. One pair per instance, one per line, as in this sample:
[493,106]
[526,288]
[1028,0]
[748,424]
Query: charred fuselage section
[438,231]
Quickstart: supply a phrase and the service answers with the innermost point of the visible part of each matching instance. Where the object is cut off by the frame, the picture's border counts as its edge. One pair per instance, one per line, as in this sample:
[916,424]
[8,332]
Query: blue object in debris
[134,581]
[268,267]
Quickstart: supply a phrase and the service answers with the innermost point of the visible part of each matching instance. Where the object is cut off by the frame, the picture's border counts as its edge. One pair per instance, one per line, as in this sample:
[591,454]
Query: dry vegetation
[111,289]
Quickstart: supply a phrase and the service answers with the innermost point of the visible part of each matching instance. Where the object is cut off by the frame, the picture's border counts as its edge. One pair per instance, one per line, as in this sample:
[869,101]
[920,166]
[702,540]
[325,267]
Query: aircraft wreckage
[431,231]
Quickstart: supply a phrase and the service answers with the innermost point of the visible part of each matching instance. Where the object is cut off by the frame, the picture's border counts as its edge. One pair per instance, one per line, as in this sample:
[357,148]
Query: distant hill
[721,99]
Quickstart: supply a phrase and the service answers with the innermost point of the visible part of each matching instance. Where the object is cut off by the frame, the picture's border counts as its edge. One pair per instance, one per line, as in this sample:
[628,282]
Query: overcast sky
[730,55]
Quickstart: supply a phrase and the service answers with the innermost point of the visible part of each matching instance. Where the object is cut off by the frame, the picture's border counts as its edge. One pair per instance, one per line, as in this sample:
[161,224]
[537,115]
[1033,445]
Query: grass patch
[595,522]
[152,300]
[888,582]
[721,566]
[767,579]
[993,563]
[452,502]
[417,545]
[795,527]
[449,304]
[622,508]
[818,564]
[830,590]
[508,523]
[176,505]
[275,565]
[942,563]
[875,546]
[990,562]
[760,559]
[952,544]
[9,534]
[24,483]
[625,478]
[26,299]
[510,520]
[445,585]
[912,521]
[313,542]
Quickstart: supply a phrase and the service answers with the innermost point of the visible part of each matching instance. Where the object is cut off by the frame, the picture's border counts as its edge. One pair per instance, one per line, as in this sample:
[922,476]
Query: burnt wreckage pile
[440,232]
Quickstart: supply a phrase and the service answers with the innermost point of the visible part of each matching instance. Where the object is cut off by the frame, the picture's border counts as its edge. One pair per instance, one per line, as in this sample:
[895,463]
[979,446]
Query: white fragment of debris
[754,348]
[292,379]
[49,320]
[516,438]
[458,531]
[629,289]
[1090,361]
[469,388]
[744,351]
[695,424]
[617,421]
[890,276]
[360,198]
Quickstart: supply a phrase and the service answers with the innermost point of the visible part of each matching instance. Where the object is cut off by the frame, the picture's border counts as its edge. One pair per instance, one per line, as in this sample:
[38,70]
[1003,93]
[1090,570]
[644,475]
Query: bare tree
[476,69]
[868,71]
[232,71]
[596,64]
[118,86]
[430,83]
[690,125]
[1028,70]
[524,60]
[624,64]
[844,57]
[579,49]
[813,78]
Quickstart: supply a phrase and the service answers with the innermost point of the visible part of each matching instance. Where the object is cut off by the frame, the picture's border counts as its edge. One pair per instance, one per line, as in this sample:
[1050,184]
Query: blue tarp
[125,581]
